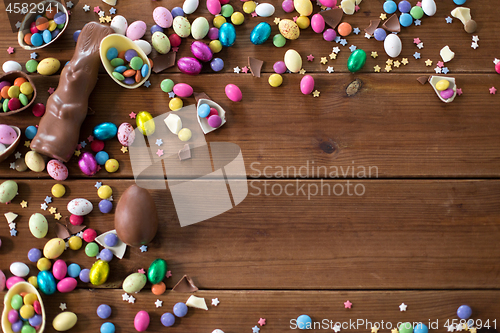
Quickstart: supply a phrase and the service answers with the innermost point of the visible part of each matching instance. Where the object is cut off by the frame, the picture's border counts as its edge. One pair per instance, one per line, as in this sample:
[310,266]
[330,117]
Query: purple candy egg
[279,67]
[16,327]
[84,275]
[214,121]
[110,240]
[35,320]
[177,11]
[76,34]
[288,6]
[88,164]
[106,255]
[105,206]
[329,35]
[201,51]
[55,33]
[13,316]
[156,28]
[448,93]
[130,53]
[213,33]
[217,64]
[4,84]
[189,66]
[34,254]
[129,80]
[380,34]
[60,18]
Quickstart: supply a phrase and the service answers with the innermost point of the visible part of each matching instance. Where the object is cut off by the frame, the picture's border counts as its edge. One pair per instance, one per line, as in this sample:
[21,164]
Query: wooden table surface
[424,231]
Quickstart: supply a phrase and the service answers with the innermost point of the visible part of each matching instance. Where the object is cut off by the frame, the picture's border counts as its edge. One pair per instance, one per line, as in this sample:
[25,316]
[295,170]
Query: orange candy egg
[159,288]
[344,29]
[121,55]
[42,23]
[138,76]
[27,38]
[5,92]
[150,63]
[129,73]
[19,81]
[51,12]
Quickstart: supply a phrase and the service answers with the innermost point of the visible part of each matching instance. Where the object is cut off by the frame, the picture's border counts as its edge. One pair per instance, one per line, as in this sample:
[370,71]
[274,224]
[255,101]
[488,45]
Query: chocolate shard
[185,285]
[332,17]
[185,153]
[163,61]
[372,27]
[392,24]
[198,96]
[62,231]
[74,229]
[255,66]
[422,79]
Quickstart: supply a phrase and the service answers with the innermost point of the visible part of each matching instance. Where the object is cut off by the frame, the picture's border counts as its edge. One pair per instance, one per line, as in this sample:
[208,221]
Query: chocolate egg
[157,271]
[99,272]
[189,65]
[88,164]
[136,219]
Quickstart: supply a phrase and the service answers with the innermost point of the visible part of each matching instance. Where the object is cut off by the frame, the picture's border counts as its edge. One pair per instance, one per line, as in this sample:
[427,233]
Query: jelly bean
[16,327]
[14,104]
[447,93]
[97,145]
[136,63]
[76,219]
[120,69]
[233,92]
[144,70]
[43,264]
[177,11]
[117,62]
[38,307]
[213,111]
[75,243]
[19,81]
[36,320]
[417,12]
[442,85]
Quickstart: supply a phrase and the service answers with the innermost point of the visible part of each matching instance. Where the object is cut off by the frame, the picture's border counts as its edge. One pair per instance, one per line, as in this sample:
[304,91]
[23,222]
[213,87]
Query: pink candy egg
[57,170]
[497,67]
[126,134]
[183,90]
[141,321]
[66,285]
[233,92]
[288,6]
[213,6]
[2,281]
[75,219]
[12,281]
[163,17]
[214,121]
[59,269]
[223,2]
[136,30]
[7,134]
[307,84]
[201,51]
[88,164]
[318,23]
[189,66]
[448,93]
[328,3]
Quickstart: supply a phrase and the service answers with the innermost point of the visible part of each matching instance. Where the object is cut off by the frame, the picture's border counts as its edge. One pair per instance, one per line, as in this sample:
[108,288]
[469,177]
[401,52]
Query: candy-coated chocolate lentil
[31,65]
[218,21]
[121,69]
[185,134]
[23,99]
[118,76]
[30,298]
[303,22]
[175,104]
[112,53]
[129,73]
[405,20]
[26,88]
[214,121]
[144,70]
[92,249]
[158,289]
[237,18]
[34,255]
[227,10]
[167,85]
[117,62]
[97,145]
[19,81]
[215,46]
[13,92]
[442,85]
[14,104]
[76,219]
[129,54]
[89,235]
[136,63]
[111,165]
[275,80]
[417,12]
[279,40]
[249,7]
[27,38]
[16,302]
[34,283]
[36,39]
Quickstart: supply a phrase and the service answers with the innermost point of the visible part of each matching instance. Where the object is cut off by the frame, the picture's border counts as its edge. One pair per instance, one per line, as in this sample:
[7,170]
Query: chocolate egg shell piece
[136,218]
[185,285]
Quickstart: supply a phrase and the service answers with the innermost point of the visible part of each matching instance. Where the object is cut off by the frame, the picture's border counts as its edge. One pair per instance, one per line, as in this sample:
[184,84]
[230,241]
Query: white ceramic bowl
[205,127]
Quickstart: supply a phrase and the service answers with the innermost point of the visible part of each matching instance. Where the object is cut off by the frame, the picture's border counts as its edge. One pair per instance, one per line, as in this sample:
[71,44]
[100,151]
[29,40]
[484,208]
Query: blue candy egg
[46,282]
[459,2]
[121,69]
[177,11]
[105,206]
[36,39]
[217,64]
[464,312]
[227,34]
[30,132]
[156,28]
[46,36]
[144,70]
[74,270]
[76,34]
[304,322]
[390,7]
[203,110]
[108,328]
[405,20]
[105,131]
[101,157]
[420,328]
[260,33]
[111,53]
[55,33]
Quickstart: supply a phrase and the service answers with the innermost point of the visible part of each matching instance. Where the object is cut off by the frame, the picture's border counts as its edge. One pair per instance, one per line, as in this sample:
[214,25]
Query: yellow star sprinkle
[302,71]
[108,19]
[58,216]
[395,330]
[333,55]
[77,153]
[404,61]
[102,19]
[52,210]
[388,68]
[24,204]
[27,143]
[323,60]
[473,330]
[383,16]
[389,62]
[377,69]
[397,63]
[124,149]
[374,54]
[277,20]
[324,7]
[316,93]
[374,329]
[428,62]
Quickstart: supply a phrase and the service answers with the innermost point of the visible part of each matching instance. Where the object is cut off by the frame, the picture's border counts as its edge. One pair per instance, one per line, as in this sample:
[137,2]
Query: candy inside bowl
[37,33]
[39,310]
[9,148]
[10,79]
[116,52]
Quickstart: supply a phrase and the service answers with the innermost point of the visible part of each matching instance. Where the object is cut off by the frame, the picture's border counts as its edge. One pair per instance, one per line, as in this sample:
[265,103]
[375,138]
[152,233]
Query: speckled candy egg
[80,207]
[99,272]
[161,43]
[163,17]
[134,283]
[126,134]
[88,164]
[293,60]
[54,248]
[190,66]
[141,321]
[2,280]
[8,190]
[119,24]
[34,161]
[181,26]
[7,134]
[201,51]
[136,30]
[199,28]
[48,66]
[38,225]
[64,321]
[57,170]
[318,23]
[289,29]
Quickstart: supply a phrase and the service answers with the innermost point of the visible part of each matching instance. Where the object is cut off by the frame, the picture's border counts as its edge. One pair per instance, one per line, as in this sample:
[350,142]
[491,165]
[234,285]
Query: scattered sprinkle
[330,69]
[52,210]
[90,138]
[18,24]
[101,13]
[44,206]
[83,144]
[147,84]
[24,204]
[376,69]
[383,16]
[416,55]
[367,35]
[77,152]
[356,30]
[159,152]
[236,70]
[374,54]
[343,41]
[33,55]
[336,49]
[316,93]
[437,70]
[13,165]
[58,216]
[397,63]
[302,71]
[124,149]
[459,91]
[389,62]
[493,90]
[449,19]
[169,274]
[97,9]
[353,48]
[277,20]
[131,299]
[171,94]
[255,329]
[404,61]
[388,68]
[445,70]
[336,328]
[10,50]
[323,60]
[333,56]
[159,142]
[475,39]
[245,69]
[418,22]
[254,14]
[215,302]
[310,57]
[347,304]
[416,40]
[69,4]
[262,321]
[27,143]
[102,19]
[375,329]
[132,115]
[51,90]
[98,185]
[403,307]
[295,18]
[420,45]
[158,303]
[13,232]
[62,306]
[112,10]
[428,62]
[17,155]
[474,45]
[125,297]
[144,248]
[86,8]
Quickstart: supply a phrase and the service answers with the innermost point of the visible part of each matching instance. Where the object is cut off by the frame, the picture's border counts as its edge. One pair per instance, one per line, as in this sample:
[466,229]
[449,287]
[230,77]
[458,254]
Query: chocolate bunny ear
[90,38]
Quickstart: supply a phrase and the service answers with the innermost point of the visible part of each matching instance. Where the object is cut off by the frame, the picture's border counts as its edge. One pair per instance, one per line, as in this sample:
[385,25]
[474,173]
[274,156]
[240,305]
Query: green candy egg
[136,63]
[8,190]
[28,329]
[167,85]
[23,99]
[134,283]
[356,60]
[157,271]
[31,65]
[5,105]
[118,76]
[279,40]
[227,10]
[16,302]
[92,249]
[406,328]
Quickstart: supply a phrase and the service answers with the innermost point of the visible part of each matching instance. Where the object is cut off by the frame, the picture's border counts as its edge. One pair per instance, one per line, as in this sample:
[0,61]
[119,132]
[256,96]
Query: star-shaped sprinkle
[316,93]
[13,165]
[302,71]
[459,327]
[376,69]
[473,330]
[62,306]
[17,155]
[131,299]
[336,49]
[69,4]
[12,225]
[33,55]
[403,307]
[83,144]
[125,297]
[27,143]
[77,152]
[493,90]
[396,63]
[10,50]
[159,152]
[158,303]
[168,274]
[24,204]
[101,13]
[418,22]
[428,62]
[236,70]
[86,8]
[143,248]
[420,45]
[437,70]
[451,328]
[367,35]
[353,48]
[215,302]
[97,9]
[80,234]
[171,94]
[277,20]
[388,68]
[440,64]
[416,55]
[459,91]
[112,10]
[159,142]
[475,39]
[343,41]
[375,329]
[262,321]
[18,24]
[356,30]
[51,90]
[124,149]
[404,61]
[445,70]
[347,304]
[333,56]
[254,14]
[449,19]
[58,216]
[389,62]
[13,232]
[374,54]
[330,69]
[78,146]
[108,19]
[132,115]
[383,16]
[97,185]
[255,329]
[323,60]
[147,84]
[394,330]
[356,8]
[295,18]
[102,19]
[52,210]
[44,206]
[474,45]
[310,57]
[337,39]
[336,328]
[416,40]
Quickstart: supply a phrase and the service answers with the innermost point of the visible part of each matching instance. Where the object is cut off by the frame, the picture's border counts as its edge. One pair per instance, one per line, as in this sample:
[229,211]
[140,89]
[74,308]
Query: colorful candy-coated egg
[307,84]
[74,270]
[217,64]
[145,123]
[7,134]
[214,121]
[136,30]
[11,65]
[75,243]
[447,93]
[190,6]
[43,264]
[20,269]
[88,164]
[141,321]
[119,24]
[199,28]
[105,206]
[54,248]
[167,319]
[260,33]
[213,6]
[66,285]
[158,289]
[89,235]
[289,29]
[38,225]
[233,92]
[275,80]
[329,35]
[34,161]
[144,45]
[34,254]
[126,134]
[201,51]
[57,170]
[379,34]
[104,311]
[12,281]
[105,131]
[46,282]
[264,10]
[392,45]
[59,269]
[16,302]
[329,3]
[191,66]
[185,134]
[48,66]
[417,12]
[303,7]
[36,39]
[181,26]
[163,17]
[180,309]
[80,207]
[85,275]
[134,283]
[464,312]
[227,34]
[442,85]
[497,67]
[2,280]
[317,23]
[356,60]
[157,271]
[160,42]
[226,10]
[99,272]
[183,90]
[293,60]
[111,165]
[64,321]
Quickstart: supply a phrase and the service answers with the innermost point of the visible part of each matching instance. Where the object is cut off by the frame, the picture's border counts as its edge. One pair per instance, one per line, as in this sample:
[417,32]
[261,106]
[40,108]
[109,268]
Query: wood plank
[239,311]
[434,32]
[392,123]
[397,235]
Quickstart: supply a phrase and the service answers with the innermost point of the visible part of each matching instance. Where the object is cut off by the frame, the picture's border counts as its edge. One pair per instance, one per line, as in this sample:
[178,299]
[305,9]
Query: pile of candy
[128,66]
[26,313]
[45,28]
[15,95]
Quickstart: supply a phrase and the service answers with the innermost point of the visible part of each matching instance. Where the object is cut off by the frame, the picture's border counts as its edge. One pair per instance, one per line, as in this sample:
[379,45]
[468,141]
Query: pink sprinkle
[254,14]
[459,91]
[419,4]
[90,138]
[159,152]
[132,115]
[97,9]
[493,90]
[416,40]
[356,8]
[440,64]
[310,57]
[141,271]
[10,50]
[244,69]
[295,18]
[169,274]
[51,90]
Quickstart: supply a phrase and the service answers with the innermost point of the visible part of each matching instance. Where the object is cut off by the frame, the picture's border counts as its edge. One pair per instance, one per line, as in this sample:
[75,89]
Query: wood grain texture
[399,234]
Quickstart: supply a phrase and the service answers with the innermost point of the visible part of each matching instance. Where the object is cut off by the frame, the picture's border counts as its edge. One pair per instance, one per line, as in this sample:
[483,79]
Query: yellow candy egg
[237,18]
[289,29]
[111,165]
[304,7]
[75,243]
[303,22]
[48,66]
[52,25]
[249,7]
[185,134]
[58,190]
[29,299]
[54,248]
[219,20]
[215,46]
[33,281]
[99,272]
[145,123]
[43,264]
[175,104]
[26,88]
[275,80]
[64,321]
[27,311]
[442,85]
[13,92]
[104,192]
